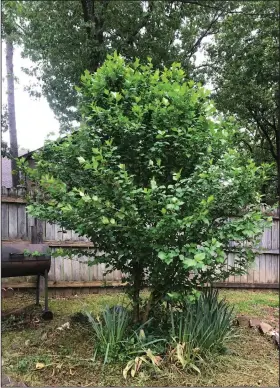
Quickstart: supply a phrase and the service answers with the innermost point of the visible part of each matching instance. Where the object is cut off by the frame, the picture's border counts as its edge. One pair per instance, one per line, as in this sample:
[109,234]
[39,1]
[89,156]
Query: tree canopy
[152,178]
[243,66]
[65,38]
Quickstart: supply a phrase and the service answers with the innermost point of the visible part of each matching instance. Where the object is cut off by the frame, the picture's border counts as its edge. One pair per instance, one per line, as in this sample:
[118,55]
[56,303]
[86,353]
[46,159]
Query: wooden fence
[18,226]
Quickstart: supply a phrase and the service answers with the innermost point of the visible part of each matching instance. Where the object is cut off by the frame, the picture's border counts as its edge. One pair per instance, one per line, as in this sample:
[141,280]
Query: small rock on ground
[254,322]
[265,328]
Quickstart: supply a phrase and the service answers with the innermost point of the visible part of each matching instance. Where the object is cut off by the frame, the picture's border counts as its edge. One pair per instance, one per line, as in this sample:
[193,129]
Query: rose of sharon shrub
[152,180]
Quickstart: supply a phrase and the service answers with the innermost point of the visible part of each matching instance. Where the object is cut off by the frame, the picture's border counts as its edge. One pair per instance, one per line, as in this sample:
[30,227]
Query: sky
[34,118]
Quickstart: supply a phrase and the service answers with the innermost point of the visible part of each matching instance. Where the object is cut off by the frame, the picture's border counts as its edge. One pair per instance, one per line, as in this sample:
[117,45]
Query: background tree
[4,128]
[9,34]
[243,67]
[11,111]
[65,38]
[159,189]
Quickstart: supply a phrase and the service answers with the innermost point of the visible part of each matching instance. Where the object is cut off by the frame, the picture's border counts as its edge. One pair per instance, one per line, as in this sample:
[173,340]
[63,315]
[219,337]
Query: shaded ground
[6,381]
[66,356]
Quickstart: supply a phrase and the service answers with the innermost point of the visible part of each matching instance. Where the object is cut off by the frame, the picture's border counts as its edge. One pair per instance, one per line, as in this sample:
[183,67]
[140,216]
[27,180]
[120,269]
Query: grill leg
[46,291]
[38,290]
[47,314]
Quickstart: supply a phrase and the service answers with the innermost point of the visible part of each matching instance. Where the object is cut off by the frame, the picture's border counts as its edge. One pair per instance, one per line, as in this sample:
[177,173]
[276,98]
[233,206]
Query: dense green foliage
[64,38]
[242,63]
[152,179]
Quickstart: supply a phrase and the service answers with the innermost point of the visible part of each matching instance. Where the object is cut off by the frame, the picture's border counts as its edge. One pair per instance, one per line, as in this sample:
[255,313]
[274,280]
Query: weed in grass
[28,363]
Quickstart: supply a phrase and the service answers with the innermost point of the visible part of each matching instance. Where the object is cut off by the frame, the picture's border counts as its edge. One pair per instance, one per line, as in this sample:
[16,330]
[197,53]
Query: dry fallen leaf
[40,365]
[44,337]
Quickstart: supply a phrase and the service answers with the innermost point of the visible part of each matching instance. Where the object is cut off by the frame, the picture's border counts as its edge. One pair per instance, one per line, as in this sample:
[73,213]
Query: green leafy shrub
[200,327]
[153,179]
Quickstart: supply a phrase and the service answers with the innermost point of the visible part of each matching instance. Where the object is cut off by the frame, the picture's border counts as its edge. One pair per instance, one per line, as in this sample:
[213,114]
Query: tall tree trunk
[95,31]
[11,110]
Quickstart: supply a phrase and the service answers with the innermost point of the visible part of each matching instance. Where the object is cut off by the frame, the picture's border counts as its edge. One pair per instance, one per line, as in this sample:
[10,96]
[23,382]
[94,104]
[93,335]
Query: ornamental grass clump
[200,328]
[110,330]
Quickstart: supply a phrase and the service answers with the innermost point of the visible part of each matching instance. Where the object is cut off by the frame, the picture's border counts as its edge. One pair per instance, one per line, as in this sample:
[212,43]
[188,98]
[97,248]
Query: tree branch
[205,33]
[202,4]
[264,131]
[94,28]
[143,23]
[86,16]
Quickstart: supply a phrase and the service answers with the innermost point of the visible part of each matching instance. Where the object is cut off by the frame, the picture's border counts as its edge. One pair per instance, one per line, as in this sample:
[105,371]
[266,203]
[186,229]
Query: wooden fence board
[13,222]
[75,270]
[250,276]
[5,221]
[268,268]
[30,222]
[256,271]
[51,272]
[275,235]
[21,219]
[266,239]
[262,269]
[57,269]
[275,269]
[49,232]
[67,236]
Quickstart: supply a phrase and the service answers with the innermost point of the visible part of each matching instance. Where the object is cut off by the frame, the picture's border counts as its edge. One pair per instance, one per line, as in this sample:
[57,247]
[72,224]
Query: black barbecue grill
[24,259]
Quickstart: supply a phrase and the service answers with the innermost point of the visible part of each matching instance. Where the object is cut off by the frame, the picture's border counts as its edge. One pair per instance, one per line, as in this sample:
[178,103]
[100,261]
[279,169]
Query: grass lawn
[66,355]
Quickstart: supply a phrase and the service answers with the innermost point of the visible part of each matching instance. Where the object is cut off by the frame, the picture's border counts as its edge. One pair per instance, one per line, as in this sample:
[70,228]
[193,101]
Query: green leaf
[153,184]
[95,164]
[81,159]
[199,256]
[189,263]
[162,255]
[105,220]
